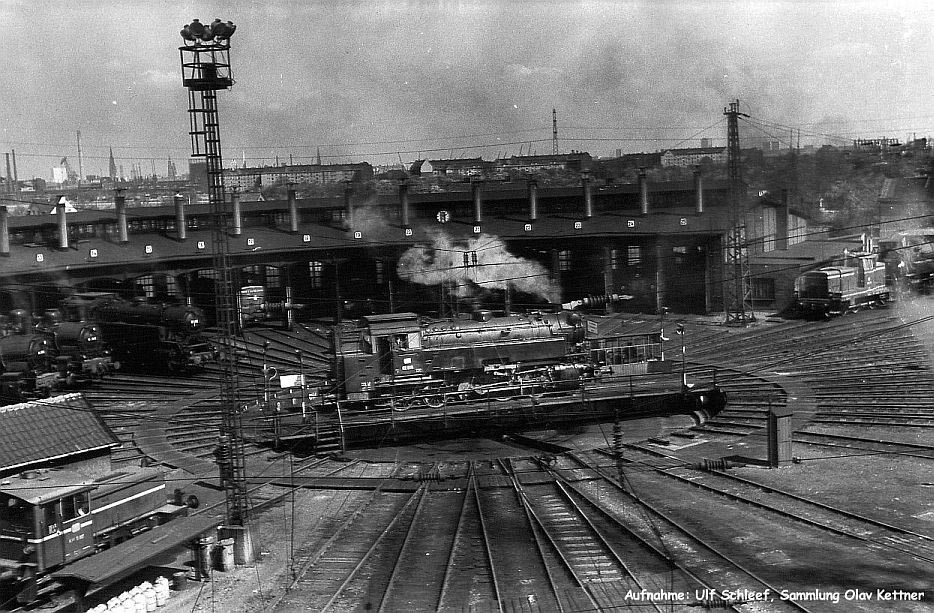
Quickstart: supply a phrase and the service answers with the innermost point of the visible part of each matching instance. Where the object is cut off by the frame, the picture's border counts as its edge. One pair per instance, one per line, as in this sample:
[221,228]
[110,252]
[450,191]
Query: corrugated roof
[50,429]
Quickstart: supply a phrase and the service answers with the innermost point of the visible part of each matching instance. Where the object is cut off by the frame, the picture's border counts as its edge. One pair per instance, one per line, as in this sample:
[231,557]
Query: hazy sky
[378,81]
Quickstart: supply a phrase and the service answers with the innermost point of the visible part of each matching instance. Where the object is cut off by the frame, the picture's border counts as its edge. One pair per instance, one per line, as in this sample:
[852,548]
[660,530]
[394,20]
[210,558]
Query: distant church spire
[113,166]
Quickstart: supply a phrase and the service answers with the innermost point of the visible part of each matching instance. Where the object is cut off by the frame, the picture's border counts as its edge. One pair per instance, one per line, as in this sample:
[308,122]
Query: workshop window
[564,259]
[763,289]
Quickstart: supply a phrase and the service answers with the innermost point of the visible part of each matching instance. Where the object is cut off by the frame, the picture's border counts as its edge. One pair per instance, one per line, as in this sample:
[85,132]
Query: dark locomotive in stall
[54,517]
[398,360]
[27,361]
[80,352]
[141,334]
[909,260]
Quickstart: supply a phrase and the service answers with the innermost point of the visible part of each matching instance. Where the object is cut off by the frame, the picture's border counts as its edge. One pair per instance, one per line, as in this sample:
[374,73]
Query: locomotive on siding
[909,260]
[54,517]
[860,281]
[142,334]
[399,361]
[80,351]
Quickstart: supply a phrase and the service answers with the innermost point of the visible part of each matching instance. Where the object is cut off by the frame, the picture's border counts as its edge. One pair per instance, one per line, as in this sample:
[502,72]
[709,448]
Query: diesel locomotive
[53,517]
[397,360]
[141,334]
[860,281]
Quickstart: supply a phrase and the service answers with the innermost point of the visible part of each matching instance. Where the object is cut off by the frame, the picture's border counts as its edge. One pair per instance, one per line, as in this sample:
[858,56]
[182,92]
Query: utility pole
[205,59]
[737,288]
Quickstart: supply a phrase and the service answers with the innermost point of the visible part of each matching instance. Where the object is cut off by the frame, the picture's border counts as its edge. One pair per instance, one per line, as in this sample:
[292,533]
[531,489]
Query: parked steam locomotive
[28,370]
[80,352]
[142,334]
[909,260]
[52,518]
[397,360]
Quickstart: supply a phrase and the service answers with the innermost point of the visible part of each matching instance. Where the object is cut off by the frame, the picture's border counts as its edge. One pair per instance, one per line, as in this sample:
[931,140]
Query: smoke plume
[475,264]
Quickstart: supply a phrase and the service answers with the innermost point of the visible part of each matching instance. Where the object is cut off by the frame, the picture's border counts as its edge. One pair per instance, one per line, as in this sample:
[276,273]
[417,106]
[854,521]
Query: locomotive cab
[45,523]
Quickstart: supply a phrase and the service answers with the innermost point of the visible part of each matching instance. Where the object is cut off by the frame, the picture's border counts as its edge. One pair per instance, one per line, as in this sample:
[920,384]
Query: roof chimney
[348,210]
[181,224]
[120,205]
[475,187]
[62,223]
[698,191]
[643,193]
[237,225]
[293,210]
[404,202]
[4,231]
[533,199]
[588,197]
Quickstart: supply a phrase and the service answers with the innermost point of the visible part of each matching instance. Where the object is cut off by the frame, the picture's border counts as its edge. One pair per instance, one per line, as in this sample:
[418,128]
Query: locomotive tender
[399,361]
[163,336]
[53,517]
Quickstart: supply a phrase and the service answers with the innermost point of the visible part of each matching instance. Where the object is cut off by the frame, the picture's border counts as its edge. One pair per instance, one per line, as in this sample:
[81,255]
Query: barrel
[179,580]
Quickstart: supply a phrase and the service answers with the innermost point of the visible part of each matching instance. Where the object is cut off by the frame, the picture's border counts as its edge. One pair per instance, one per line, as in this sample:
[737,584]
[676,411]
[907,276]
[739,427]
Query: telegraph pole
[736,284]
[205,59]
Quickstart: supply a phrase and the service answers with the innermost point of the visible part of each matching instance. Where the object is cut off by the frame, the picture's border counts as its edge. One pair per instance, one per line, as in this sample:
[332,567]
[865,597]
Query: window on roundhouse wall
[633,255]
[316,274]
[564,259]
[763,289]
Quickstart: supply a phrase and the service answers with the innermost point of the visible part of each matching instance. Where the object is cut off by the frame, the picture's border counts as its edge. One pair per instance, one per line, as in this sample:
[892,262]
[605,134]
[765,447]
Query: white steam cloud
[488,265]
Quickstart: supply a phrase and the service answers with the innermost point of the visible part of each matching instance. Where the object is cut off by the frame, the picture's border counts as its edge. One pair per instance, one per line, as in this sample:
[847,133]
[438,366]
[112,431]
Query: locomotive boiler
[54,517]
[143,334]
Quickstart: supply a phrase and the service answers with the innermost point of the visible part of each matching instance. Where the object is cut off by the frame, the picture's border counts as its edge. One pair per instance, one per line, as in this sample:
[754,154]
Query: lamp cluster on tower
[199,33]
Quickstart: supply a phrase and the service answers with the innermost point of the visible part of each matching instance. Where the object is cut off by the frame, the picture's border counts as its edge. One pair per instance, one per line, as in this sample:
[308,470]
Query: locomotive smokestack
[404,202]
[62,224]
[237,225]
[4,231]
[181,224]
[477,202]
[698,191]
[588,197]
[533,199]
[594,301]
[293,210]
[120,206]
[643,192]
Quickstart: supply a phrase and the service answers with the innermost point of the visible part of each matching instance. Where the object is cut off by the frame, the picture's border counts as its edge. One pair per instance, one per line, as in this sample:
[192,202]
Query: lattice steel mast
[736,284]
[206,68]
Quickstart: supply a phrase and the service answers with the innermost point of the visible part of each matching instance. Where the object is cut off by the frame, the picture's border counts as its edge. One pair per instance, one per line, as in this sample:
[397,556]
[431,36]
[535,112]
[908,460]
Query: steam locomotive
[909,260]
[397,360]
[54,517]
[142,334]
[28,370]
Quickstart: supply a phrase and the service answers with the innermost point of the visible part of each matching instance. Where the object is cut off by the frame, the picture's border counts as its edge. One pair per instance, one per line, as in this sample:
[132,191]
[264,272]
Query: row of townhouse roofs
[247,178]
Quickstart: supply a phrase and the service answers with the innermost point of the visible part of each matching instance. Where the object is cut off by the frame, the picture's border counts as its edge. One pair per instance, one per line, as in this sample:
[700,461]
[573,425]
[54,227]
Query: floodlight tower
[737,288]
[205,58]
